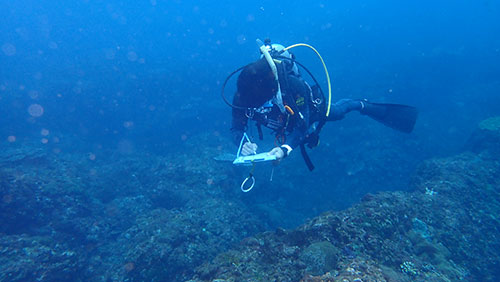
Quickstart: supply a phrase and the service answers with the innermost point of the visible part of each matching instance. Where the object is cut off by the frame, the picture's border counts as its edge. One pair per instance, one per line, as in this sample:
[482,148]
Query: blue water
[145,76]
[143,62]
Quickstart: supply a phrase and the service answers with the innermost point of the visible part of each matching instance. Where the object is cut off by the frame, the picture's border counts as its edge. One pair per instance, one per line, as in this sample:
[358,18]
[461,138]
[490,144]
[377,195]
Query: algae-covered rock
[444,230]
[320,257]
[486,139]
[492,124]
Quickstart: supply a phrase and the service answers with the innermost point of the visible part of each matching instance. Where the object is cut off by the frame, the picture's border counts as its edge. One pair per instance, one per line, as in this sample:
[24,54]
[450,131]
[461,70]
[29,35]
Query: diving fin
[398,117]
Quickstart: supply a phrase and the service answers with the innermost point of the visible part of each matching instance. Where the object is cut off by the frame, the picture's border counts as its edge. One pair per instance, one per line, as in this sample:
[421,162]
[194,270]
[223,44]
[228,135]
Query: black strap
[259,130]
[306,158]
[312,139]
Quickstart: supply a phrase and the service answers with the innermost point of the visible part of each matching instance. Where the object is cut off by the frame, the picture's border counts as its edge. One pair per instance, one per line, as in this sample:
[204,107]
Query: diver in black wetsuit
[293,109]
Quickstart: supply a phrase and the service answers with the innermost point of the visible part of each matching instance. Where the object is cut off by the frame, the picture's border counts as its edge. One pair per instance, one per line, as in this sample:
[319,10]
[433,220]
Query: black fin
[399,117]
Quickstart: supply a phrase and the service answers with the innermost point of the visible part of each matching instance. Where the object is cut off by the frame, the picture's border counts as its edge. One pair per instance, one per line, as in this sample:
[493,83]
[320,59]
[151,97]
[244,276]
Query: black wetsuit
[290,129]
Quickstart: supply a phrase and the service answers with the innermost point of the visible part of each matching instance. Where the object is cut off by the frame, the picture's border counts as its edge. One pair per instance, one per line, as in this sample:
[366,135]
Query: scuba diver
[272,92]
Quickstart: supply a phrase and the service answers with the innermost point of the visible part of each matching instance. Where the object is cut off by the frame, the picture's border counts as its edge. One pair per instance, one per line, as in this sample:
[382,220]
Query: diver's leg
[344,106]
[399,117]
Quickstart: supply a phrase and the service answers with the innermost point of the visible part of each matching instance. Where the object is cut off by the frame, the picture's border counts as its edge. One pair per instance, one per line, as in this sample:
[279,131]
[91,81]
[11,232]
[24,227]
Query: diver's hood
[280,54]
[276,50]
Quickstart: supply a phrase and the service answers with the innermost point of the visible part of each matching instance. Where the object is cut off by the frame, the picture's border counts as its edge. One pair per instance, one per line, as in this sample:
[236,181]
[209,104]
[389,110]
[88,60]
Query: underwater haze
[115,142]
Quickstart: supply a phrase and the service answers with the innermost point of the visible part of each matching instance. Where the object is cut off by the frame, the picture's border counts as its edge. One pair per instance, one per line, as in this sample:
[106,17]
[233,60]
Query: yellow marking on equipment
[326,72]
[289,110]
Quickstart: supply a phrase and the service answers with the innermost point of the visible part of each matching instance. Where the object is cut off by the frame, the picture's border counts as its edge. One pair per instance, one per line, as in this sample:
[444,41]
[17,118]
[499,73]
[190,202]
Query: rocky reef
[446,229]
[138,216]
[69,216]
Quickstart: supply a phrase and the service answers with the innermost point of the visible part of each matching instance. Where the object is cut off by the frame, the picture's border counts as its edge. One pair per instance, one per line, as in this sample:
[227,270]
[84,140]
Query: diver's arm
[293,141]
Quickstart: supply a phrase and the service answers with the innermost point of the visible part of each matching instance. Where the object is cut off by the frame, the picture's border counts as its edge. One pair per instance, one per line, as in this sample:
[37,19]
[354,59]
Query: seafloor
[67,216]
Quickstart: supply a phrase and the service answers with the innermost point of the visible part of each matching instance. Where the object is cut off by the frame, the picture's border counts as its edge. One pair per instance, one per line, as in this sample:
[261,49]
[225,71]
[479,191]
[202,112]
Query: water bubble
[44,132]
[35,110]
[7,198]
[53,45]
[9,49]
[125,147]
[11,138]
[33,94]
[44,140]
[241,39]
[132,56]
[129,267]
[128,124]
[109,54]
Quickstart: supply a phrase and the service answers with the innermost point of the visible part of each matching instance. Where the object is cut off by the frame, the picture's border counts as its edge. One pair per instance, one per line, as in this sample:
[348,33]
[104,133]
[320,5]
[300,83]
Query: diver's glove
[280,152]
[249,149]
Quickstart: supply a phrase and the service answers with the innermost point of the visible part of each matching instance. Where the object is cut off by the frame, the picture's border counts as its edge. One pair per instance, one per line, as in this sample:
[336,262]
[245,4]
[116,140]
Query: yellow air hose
[326,72]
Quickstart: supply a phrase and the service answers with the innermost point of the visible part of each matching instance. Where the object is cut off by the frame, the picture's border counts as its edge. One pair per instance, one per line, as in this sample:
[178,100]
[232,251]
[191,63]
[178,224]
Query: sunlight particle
[128,124]
[53,45]
[241,39]
[33,94]
[35,110]
[109,54]
[129,266]
[7,199]
[9,49]
[132,56]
